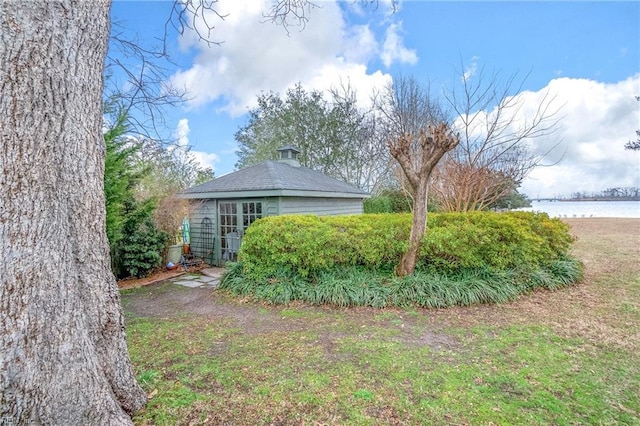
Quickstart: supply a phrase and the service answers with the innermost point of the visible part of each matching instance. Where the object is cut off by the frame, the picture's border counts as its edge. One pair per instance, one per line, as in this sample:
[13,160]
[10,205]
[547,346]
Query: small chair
[232,243]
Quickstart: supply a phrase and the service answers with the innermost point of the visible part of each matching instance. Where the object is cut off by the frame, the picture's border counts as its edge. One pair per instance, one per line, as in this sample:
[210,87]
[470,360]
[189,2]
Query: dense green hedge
[494,240]
[307,244]
[478,257]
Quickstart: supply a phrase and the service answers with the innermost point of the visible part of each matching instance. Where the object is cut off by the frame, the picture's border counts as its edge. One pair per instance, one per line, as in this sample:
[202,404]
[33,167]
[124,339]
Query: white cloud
[360,44]
[597,120]
[471,69]
[181,134]
[331,76]
[206,159]
[258,56]
[393,48]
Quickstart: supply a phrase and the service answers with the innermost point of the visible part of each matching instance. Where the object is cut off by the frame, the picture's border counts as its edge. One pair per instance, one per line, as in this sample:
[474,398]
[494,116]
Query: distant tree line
[610,194]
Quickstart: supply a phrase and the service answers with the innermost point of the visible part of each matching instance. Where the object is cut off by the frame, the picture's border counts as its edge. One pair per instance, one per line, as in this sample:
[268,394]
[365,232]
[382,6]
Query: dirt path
[604,314]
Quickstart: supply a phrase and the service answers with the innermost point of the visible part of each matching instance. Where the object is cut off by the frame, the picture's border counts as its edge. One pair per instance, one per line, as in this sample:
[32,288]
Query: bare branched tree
[434,142]
[418,136]
[362,156]
[404,107]
[295,13]
[493,156]
[201,16]
[136,85]
[287,13]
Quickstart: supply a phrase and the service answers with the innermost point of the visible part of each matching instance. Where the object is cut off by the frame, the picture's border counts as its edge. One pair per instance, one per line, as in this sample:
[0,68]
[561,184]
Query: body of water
[587,208]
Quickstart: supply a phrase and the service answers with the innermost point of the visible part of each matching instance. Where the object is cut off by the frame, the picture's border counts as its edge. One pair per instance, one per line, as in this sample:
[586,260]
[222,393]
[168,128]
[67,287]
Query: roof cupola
[289,155]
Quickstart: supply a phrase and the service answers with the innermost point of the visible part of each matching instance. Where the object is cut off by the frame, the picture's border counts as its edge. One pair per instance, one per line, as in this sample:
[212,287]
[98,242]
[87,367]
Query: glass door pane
[229,236]
[250,213]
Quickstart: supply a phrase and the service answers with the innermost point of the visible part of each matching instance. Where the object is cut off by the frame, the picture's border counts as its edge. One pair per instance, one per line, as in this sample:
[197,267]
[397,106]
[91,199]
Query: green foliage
[512,200]
[303,119]
[138,252]
[400,201]
[394,201]
[493,240]
[379,204]
[356,286]
[466,258]
[139,181]
[334,136]
[134,241]
[120,177]
[308,244]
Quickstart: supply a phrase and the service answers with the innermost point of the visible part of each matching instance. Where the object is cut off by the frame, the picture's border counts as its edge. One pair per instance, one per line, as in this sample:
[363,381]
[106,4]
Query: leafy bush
[379,204]
[494,240]
[466,258]
[309,244]
[394,201]
[306,244]
[138,251]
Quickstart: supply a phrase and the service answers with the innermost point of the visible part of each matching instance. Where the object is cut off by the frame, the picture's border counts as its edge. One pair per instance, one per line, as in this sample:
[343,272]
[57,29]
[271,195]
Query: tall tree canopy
[334,136]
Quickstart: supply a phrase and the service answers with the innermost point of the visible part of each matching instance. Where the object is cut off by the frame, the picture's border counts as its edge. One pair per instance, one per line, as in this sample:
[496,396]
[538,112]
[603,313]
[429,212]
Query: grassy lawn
[566,357]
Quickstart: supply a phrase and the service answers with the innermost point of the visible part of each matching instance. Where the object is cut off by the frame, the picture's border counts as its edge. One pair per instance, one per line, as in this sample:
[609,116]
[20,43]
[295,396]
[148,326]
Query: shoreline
[579,200]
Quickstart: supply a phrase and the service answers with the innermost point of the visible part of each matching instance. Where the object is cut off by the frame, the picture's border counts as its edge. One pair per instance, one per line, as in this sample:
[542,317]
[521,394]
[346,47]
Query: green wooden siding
[204,245]
[320,206]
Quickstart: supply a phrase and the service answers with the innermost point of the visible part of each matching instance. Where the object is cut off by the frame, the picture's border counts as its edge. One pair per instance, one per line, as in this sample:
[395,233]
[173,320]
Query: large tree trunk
[63,355]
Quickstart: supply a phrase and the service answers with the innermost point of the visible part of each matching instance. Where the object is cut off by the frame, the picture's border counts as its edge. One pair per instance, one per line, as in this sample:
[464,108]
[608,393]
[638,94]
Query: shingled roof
[274,178]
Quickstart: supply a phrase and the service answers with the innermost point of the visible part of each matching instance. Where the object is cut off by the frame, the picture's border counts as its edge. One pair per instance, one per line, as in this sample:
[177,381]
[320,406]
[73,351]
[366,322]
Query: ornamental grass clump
[466,258]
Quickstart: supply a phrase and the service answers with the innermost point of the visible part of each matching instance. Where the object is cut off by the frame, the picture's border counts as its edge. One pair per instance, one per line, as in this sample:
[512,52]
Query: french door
[234,219]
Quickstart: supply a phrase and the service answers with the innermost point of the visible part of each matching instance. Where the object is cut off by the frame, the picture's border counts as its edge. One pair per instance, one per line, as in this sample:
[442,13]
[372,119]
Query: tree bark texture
[410,258]
[63,355]
[418,155]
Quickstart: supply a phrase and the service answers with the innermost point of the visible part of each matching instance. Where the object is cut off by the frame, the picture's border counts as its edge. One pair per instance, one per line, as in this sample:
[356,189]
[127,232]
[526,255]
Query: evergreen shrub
[494,240]
[466,258]
[307,244]
[378,204]
[138,251]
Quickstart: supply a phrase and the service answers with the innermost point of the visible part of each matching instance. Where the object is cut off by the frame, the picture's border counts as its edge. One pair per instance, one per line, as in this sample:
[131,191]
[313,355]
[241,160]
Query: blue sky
[586,54]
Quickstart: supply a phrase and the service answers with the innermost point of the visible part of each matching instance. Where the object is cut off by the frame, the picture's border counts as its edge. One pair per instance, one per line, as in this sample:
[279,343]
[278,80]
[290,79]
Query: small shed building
[222,209]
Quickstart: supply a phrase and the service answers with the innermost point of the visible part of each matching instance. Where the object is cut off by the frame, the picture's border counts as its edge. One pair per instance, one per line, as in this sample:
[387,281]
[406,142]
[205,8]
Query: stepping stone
[191,284]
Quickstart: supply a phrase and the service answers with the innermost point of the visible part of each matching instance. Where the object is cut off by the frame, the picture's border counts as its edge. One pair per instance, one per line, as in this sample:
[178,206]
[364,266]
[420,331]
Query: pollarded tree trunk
[418,155]
[63,355]
[409,260]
